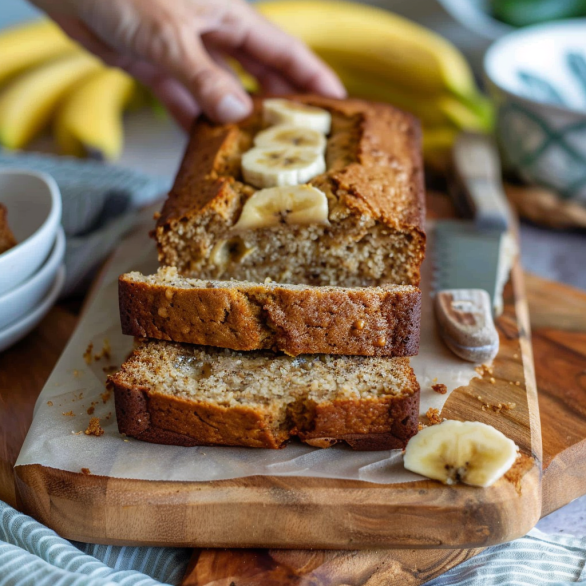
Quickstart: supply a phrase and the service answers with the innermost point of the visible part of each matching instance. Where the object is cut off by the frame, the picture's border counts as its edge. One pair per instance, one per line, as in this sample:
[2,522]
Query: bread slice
[189,395]
[7,239]
[295,319]
[374,187]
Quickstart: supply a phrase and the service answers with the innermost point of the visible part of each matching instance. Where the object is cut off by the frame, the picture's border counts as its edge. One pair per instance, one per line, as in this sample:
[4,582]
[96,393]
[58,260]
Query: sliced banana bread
[191,395]
[7,239]
[373,233]
[295,319]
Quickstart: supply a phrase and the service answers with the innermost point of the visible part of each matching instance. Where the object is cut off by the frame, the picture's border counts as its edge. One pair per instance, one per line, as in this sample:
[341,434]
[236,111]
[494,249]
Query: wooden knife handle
[464,318]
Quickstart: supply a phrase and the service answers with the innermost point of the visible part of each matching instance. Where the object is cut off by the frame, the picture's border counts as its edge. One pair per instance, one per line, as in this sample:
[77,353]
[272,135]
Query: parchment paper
[56,437]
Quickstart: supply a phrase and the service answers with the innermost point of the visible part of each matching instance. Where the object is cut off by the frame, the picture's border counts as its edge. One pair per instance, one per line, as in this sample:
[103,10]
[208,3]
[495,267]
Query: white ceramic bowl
[25,298]
[537,77]
[18,330]
[34,214]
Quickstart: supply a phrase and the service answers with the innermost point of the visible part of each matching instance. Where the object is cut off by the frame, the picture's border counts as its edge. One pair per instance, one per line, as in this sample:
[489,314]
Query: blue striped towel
[32,555]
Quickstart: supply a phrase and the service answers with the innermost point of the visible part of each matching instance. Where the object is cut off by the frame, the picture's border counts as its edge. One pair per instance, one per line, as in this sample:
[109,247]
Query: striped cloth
[32,555]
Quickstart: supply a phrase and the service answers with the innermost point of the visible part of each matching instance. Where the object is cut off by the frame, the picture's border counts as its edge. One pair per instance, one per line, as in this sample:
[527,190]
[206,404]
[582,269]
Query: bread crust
[205,174]
[382,321]
[381,177]
[367,424]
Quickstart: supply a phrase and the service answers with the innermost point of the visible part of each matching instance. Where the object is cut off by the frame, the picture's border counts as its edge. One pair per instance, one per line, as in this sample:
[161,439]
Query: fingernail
[231,109]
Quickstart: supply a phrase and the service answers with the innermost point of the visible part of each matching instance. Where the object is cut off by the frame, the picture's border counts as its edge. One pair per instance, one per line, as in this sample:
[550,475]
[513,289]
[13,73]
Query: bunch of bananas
[46,78]
[384,57]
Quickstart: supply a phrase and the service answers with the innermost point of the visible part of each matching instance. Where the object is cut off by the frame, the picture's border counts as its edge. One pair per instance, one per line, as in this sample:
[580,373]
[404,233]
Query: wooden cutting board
[289,512]
[558,323]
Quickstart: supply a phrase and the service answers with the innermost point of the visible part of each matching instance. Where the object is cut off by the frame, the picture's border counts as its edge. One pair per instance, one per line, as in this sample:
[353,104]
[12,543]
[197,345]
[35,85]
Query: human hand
[178,47]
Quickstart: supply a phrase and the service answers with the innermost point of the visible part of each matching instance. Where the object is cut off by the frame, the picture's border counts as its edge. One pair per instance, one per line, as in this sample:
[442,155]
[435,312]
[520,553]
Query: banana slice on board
[284,135]
[278,166]
[299,204]
[279,111]
[461,451]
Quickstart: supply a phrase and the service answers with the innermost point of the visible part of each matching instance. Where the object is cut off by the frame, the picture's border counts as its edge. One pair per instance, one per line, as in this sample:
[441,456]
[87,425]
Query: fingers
[176,48]
[250,33]
[167,35]
[175,97]
[270,80]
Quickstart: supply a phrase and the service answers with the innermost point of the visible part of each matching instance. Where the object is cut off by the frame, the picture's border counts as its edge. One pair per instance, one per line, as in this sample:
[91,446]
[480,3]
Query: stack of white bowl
[32,272]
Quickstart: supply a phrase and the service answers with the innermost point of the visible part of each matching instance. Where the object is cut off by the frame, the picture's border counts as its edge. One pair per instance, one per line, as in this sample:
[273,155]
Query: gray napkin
[99,207]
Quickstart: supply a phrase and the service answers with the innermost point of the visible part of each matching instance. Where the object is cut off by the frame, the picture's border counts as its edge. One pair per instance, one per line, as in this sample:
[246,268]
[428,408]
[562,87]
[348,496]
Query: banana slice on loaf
[277,166]
[298,204]
[284,135]
[280,111]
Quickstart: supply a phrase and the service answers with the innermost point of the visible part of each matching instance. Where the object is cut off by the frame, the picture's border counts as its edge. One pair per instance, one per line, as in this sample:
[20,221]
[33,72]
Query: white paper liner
[57,440]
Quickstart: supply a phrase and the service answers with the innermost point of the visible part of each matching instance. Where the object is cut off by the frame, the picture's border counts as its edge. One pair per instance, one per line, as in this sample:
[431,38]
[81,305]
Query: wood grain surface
[558,316]
[558,321]
[321,512]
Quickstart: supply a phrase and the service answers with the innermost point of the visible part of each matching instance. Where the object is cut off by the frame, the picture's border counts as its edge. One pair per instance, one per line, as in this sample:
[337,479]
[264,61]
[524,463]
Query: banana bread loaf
[373,232]
[7,239]
[189,395]
[295,319]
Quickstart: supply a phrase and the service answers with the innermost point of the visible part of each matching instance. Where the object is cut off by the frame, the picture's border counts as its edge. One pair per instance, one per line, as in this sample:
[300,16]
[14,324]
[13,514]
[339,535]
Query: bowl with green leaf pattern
[537,77]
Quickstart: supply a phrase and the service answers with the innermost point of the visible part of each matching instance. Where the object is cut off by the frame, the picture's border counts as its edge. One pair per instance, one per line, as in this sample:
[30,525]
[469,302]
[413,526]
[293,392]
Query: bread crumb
[485,369]
[90,410]
[106,395]
[87,355]
[69,414]
[85,471]
[105,351]
[126,440]
[497,407]
[433,416]
[78,373]
[421,426]
[50,403]
[156,215]
[94,427]
[440,388]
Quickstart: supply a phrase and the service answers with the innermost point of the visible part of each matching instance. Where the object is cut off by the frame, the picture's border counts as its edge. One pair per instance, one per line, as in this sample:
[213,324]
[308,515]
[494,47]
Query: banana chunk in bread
[374,233]
[7,239]
[295,319]
[189,395]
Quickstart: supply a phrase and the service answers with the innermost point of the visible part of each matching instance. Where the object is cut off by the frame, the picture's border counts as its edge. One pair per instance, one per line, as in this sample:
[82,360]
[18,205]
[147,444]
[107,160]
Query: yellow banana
[29,45]
[376,41]
[27,104]
[90,119]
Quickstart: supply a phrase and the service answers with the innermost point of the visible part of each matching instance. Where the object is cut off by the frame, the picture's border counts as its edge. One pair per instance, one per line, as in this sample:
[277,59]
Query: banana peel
[89,122]
[380,42]
[28,103]
[29,45]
